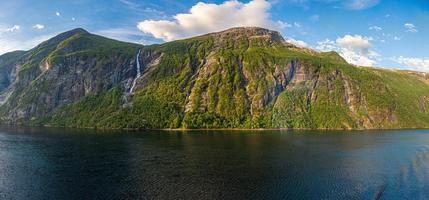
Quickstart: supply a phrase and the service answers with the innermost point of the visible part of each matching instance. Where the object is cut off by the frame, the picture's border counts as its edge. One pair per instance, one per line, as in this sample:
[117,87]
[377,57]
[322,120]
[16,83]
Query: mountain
[238,78]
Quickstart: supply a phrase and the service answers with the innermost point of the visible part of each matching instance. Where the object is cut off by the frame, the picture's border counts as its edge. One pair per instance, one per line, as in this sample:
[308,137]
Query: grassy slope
[410,96]
[161,103]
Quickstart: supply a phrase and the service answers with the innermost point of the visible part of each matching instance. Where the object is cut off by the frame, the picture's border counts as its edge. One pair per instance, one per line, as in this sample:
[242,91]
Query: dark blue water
[78,164]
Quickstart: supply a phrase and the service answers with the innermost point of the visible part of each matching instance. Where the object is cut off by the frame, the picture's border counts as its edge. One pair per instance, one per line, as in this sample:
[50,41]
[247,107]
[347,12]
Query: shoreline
[214,129]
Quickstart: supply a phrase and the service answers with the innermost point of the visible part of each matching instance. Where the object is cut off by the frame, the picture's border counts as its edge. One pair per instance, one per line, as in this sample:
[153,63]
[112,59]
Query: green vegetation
[240,78]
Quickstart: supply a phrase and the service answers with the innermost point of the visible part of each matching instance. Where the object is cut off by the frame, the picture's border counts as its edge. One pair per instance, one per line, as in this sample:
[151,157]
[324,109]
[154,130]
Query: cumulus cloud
[39,26]
[354,42]
[298,43]
[355,49]
[419,64]
[410,27]
[208,17]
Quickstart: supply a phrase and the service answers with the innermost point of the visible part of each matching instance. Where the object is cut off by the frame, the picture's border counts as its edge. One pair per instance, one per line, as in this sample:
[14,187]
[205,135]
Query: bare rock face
[239,78]
[61,71]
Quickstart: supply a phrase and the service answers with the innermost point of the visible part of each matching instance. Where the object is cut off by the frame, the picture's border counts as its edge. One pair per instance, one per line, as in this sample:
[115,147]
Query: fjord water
[89,164]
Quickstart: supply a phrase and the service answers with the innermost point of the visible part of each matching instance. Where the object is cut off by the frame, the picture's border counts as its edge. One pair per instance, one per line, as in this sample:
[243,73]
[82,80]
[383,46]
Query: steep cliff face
[238,78]
[62,70]
[8,62]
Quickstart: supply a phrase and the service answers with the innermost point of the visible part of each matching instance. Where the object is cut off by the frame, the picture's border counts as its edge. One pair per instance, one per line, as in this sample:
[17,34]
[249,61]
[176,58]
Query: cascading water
[138,72]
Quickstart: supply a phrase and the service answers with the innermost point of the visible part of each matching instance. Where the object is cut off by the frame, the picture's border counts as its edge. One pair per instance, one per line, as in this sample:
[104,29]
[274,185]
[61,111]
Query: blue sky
[386,33]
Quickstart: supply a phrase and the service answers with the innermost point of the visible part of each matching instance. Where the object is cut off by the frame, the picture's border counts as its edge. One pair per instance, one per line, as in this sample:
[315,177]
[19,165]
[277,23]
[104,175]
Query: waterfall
[138,72]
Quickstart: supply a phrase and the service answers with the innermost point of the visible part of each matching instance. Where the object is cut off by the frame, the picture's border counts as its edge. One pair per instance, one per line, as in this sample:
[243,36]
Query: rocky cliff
[238,78]
[60,71]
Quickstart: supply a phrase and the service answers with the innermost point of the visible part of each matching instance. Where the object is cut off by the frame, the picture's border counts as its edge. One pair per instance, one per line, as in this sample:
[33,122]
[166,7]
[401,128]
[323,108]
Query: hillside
[238,78]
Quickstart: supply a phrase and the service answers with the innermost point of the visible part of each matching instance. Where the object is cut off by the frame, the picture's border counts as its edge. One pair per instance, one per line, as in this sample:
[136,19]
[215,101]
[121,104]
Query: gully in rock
[138,72]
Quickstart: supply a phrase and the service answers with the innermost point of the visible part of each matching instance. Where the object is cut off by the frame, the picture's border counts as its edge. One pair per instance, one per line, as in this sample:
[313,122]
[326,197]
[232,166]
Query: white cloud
[327,45]
[5,30]
[361,4]
[207,17]
[375,28]
[396,38]
[357,58]
[355,49]
[57,13]
[296,24]
[73,19]
[354,42]
[39,26]
[298,43]
[283,25]
[14,28]
[419,64]
[410,27]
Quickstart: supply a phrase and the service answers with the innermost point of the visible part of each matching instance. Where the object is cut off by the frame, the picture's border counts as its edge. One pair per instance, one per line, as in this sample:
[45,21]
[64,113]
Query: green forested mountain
[238,78]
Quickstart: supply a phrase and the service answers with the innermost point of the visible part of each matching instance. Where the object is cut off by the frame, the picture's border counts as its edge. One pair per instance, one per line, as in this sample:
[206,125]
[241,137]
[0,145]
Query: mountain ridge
[237,78]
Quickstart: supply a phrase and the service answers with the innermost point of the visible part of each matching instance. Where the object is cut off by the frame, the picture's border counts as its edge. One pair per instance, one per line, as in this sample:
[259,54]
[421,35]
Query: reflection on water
[85,164]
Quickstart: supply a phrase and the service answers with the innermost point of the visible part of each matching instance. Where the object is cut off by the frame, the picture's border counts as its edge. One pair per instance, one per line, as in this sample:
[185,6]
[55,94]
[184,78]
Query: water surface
[87,164]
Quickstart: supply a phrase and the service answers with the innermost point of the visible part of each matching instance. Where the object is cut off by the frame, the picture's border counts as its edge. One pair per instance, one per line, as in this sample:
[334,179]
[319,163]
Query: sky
[381,33]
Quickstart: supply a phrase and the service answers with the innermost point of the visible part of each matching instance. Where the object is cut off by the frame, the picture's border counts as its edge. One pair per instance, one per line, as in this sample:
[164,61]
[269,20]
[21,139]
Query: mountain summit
[248,32]
[239,78]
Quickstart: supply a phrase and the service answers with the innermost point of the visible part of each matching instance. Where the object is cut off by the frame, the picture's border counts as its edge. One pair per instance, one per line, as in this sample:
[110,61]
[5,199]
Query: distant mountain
[238,78]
